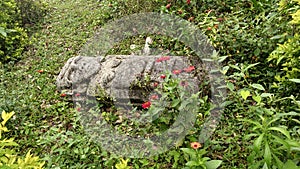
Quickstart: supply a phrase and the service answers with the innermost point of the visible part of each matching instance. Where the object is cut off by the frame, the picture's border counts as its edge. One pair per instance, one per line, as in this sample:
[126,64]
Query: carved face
[76,71]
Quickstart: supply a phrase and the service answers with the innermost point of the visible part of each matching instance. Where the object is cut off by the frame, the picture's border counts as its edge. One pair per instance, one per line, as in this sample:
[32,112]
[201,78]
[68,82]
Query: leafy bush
[287,55]
[13,38]
[8,157]
[31,10]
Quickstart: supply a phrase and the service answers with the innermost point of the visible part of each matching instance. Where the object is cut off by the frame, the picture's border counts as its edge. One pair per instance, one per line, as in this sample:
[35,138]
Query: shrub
[31,10]
[8,157]
[13,38]
[287,55]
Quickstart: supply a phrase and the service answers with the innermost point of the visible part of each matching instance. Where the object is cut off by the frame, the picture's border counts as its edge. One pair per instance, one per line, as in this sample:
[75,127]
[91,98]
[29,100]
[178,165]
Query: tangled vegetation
[257,44]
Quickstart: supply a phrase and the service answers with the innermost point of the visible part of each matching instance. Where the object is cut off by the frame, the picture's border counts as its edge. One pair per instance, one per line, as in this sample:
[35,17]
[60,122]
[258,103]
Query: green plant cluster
[13,37]
[8,157]
[32,11]
[287,55]
[17,16]
[259,127]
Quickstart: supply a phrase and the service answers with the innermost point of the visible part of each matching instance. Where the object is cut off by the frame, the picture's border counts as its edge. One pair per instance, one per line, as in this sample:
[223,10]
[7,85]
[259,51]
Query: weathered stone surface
[117,75]
[77,72]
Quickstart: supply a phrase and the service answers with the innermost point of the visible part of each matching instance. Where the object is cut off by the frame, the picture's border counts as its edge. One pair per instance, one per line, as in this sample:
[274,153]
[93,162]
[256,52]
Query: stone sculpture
[117,75]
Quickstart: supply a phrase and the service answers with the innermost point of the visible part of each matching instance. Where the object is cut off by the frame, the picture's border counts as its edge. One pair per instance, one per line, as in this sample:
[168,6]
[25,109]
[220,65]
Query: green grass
[48,123]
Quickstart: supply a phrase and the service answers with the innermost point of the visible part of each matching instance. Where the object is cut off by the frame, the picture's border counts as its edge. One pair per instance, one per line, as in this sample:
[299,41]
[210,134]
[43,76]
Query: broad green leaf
[257,124]
[257,52]
[6,116]
[281,141]
[250,66]
[188,151]
[267,154]
[257,143]
[222,58]
[230,86]
[279,163]
[268,111]
[192,163]
[295,80]
[277,37]
[292,113]
[235,67]
[224,70]
[257,86]
[175,102]
[281,130]
[3,32]
[257,99]
[213,164]
[266,95]
[205,158]
[272,121]
[265,166]
[290,165]
[226,103]
[122,164]
[248,136]
[293,143]
[245,94]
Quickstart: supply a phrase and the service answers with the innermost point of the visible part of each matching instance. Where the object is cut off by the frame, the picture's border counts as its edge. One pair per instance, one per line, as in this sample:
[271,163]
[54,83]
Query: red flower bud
[176,72]
[189,69]
[154,97]
[168,6]
[163,76]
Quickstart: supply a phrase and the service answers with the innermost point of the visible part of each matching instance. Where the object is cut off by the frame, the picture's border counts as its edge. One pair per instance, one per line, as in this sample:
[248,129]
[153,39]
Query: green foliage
[8,157]
[13,38]
[268,127]
[123,164]
[287,56]
[196,159]
[244,32]
[15,14]
[32,11]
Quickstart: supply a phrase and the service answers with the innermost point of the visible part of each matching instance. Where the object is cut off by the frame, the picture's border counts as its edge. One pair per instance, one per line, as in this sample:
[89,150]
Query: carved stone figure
[118,75]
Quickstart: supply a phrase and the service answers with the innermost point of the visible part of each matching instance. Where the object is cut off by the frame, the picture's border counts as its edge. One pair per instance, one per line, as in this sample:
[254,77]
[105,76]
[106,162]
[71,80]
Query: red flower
[208,28]
[40,71]
[154,97]
[163,58]
[146,105]
[189,69]
[78,109]
[168,6]
[158,60]
[195,145]
[77,94]
[176,72]
[163,76]
[63,95]
[188,1]
[155,84]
